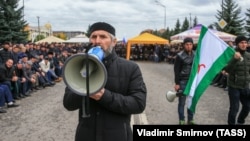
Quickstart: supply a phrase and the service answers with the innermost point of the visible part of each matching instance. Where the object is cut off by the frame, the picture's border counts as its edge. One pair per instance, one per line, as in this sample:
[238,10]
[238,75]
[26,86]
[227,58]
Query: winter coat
[239,71]
[5,55]
[6,73]
[183,66]
[125,94]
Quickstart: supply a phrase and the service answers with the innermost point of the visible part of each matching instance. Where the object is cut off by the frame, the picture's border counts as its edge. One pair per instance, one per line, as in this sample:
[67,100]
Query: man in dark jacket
[238,82]
[7,73]
[182,70]
[9,78]
[5,54]
[123,95]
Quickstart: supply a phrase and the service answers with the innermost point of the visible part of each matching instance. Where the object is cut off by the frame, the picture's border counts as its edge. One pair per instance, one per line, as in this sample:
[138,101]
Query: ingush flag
[212,55]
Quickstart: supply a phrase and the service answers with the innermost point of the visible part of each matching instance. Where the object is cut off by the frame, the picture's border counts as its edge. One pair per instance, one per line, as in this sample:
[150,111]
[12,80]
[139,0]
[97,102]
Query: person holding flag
[211,56]
[182,70]
[238,82]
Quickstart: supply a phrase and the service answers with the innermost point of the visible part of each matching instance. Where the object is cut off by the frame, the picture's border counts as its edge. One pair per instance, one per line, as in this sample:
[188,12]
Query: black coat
[239,71]
[5,55]
[182,66]
[6,73]
[125,94]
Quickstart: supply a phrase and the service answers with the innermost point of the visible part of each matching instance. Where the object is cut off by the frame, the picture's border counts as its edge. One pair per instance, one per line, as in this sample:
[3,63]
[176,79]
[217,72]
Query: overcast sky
[129,17]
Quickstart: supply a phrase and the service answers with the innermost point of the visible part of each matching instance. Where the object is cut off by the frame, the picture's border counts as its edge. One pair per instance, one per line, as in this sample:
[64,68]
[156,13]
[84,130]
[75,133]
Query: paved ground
[42,116]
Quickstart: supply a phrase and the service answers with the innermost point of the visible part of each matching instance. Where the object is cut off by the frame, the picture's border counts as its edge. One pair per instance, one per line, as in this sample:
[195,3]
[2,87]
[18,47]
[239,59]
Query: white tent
[81,38]
[51,39]
[194,33]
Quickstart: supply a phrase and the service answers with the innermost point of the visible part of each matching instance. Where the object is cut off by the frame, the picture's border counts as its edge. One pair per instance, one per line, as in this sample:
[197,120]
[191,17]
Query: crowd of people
[27,68]
[156,52]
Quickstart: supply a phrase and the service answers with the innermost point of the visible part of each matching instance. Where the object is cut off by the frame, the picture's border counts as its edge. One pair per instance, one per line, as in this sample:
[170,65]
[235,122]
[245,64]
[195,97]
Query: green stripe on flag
[218,65]
[199,82]
[196,61]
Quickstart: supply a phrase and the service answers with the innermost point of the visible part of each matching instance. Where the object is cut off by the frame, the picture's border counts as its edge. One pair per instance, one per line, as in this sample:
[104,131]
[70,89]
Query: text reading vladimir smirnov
[192,132]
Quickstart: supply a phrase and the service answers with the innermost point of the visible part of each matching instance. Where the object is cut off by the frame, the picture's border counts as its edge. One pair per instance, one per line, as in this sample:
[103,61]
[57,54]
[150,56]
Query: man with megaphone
[182,70]
[111,107]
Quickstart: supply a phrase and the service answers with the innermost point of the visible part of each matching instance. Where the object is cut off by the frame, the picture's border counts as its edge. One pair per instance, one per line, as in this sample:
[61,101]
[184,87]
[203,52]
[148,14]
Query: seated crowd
[155,52]
[27,68]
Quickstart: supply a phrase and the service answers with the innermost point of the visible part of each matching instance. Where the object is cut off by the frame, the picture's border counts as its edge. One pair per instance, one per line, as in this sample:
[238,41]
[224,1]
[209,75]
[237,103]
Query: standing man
[182,69]
[123,95]
[238,82]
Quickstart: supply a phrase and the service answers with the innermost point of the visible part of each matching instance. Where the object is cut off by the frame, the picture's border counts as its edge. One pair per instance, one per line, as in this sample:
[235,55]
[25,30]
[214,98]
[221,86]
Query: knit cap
[102,26]
[239,39]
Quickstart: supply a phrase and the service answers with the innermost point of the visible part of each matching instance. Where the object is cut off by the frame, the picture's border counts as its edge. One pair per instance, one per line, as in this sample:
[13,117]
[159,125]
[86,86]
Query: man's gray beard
[108,51]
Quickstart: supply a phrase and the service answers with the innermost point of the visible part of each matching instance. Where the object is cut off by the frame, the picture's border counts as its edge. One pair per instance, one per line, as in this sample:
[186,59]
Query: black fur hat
[102,26]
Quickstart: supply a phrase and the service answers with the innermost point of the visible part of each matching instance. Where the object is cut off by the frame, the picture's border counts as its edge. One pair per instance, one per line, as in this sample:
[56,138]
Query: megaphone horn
[74,72]
[172,95]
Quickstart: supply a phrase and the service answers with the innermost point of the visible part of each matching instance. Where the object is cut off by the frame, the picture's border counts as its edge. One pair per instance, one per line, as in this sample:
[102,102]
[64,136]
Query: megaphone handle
[85,112]
[179,93]
[85,102]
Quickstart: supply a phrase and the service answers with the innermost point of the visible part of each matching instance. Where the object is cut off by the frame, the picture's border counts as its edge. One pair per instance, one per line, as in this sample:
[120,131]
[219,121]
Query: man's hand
[23,79]
[14,78]
[237,55]
[97,96]
[177,87]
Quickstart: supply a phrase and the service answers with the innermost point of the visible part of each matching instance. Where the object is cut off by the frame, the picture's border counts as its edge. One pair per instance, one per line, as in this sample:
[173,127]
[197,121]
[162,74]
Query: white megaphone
[172,95]
[96,52]
[75,72]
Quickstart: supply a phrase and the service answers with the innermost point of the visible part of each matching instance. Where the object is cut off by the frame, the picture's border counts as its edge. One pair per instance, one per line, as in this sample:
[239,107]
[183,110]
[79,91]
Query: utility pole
[222,9]
[160,4]
[38,28]
[23,9]
[190,21]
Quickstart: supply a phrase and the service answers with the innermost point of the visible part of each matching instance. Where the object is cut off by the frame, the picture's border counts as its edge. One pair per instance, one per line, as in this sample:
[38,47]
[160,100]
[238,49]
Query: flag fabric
[124,41]
[212,54]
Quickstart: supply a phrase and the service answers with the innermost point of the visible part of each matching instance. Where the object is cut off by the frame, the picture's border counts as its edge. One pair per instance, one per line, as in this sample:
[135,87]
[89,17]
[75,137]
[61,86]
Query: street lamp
[160,4]
[38,28]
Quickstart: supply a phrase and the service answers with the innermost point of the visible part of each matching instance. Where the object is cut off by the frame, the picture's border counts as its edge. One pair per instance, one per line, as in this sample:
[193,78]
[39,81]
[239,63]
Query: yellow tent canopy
[145,38]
